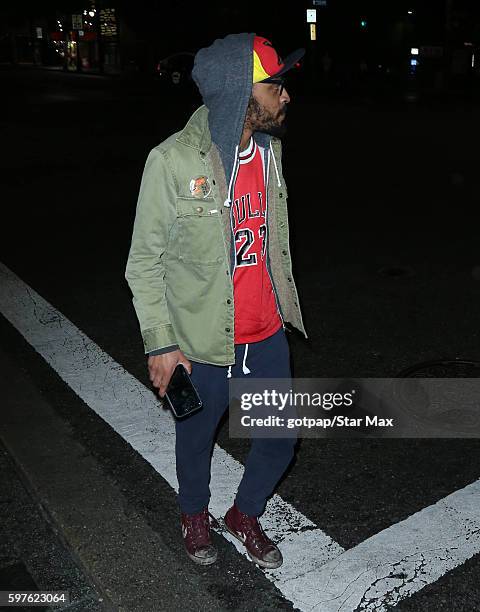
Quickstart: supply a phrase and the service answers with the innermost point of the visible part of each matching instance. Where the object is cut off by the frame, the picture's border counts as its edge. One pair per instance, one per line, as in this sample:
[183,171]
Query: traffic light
[363,23]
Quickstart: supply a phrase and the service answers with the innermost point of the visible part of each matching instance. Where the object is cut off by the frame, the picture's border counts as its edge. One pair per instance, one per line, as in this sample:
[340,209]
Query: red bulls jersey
[256,313]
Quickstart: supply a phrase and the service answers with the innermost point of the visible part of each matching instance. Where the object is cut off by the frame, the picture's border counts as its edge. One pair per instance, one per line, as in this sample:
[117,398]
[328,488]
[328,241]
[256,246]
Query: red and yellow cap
[267,64]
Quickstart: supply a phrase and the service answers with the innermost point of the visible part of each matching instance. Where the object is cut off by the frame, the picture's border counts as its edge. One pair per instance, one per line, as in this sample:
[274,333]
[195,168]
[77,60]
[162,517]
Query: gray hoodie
[223,73]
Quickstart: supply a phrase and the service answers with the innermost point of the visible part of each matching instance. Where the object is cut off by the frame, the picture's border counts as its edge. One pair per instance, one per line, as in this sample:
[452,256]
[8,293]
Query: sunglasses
[280,83]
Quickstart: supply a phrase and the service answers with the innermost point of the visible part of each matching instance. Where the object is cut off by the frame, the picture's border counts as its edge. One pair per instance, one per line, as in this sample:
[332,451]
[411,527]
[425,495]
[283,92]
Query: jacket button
[229,301]
[289,279]
[284,252]
[199,209]
[282,224]
[280,195]
[227,329]
[202,154]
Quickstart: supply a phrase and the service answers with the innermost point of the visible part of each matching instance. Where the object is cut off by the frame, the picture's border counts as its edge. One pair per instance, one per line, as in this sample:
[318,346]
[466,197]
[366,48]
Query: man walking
[210,272]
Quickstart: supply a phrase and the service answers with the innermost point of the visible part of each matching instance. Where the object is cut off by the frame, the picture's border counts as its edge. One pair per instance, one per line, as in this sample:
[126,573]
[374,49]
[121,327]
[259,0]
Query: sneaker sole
[265,564]
[202,561]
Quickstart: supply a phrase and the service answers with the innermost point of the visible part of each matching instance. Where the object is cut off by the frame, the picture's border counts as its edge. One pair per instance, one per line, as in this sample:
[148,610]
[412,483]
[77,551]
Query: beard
[262,120]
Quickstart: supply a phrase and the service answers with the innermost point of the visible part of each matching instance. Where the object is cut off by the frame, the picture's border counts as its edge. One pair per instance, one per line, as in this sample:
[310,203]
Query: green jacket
[179,267]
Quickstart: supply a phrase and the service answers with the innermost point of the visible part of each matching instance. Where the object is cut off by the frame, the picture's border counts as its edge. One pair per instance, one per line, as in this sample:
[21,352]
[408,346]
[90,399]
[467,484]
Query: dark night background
[148,30]
[381,162]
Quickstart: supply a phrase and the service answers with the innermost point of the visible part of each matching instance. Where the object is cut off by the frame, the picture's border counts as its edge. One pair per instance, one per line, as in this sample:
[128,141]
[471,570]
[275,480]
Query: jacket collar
[196,133]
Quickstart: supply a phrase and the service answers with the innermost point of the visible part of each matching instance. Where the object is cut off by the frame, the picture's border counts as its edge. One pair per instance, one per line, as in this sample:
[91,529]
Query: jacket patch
[200,187]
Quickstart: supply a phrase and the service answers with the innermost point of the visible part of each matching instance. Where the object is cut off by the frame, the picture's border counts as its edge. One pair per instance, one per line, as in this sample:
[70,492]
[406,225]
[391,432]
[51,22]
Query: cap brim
[288,63]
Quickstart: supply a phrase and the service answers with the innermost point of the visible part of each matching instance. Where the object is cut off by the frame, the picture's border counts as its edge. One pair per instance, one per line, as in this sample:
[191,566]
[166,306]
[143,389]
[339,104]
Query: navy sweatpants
[268,458]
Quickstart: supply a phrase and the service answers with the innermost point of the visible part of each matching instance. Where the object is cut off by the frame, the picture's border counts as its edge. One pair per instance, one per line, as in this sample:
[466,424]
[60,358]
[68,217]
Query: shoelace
[200,524]
[253,527]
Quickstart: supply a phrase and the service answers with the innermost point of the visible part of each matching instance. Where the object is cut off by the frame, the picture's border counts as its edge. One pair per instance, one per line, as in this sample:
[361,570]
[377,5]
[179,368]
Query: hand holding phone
[161,368]
[181,395]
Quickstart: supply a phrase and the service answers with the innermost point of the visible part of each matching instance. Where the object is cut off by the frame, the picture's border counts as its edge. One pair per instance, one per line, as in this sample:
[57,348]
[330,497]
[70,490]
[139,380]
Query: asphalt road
[382,201]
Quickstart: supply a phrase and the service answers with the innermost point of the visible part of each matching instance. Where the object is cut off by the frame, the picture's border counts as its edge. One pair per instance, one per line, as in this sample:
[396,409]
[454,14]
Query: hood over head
[223,73]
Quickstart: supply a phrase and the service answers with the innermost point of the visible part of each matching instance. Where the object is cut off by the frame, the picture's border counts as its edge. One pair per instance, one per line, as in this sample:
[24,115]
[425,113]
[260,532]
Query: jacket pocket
[199,231]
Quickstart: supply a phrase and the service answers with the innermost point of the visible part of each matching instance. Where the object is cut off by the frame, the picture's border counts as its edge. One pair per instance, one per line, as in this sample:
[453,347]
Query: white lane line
[317,574]
[135,413]
[399,561]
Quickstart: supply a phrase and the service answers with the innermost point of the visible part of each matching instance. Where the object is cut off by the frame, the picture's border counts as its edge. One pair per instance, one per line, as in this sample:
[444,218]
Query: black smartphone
[181,395]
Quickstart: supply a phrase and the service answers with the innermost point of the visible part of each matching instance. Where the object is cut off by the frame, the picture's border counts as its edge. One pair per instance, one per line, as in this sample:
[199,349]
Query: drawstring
[244,365]
[245,369]
[279,183]
[228,201]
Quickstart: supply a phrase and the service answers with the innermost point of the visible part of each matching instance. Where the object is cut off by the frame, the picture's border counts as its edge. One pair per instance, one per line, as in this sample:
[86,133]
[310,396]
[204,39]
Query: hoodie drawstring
[279,182]
[228,201]
[245,369]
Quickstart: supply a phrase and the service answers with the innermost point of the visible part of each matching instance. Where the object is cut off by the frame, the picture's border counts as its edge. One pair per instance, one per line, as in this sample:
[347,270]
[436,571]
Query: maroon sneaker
[248,530]
[196,536]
